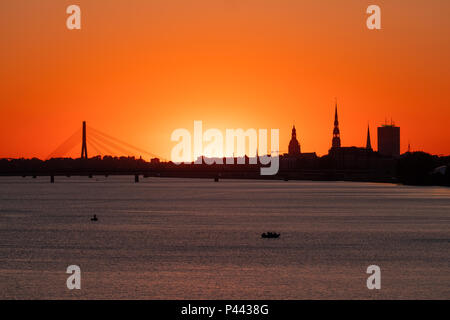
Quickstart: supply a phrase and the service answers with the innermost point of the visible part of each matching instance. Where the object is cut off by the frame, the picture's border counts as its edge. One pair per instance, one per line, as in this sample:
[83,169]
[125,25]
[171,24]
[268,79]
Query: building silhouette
[342,162]
[389,140]
[295,158]
[353,158]
[294,146]
[336,142]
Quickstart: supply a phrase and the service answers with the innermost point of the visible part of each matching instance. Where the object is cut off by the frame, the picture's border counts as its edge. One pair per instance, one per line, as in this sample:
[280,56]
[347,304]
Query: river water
[166,238]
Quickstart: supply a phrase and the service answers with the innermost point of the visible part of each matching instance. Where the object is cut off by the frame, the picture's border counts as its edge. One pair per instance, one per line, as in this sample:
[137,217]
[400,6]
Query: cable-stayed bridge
[112,156]
[99,144]
[109,156]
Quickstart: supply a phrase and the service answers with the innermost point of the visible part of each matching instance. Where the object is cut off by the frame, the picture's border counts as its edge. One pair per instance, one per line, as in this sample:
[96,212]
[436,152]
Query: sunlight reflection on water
[196,239]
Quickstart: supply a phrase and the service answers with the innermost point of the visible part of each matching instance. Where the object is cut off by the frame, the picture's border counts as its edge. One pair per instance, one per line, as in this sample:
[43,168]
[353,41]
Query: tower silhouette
[294,145]
[336,143]
[389,140]
[368,144]
[83,144]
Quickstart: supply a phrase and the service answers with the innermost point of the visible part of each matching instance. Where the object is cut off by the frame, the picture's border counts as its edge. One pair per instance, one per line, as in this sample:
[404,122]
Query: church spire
[336,143]
[294,145]
[368,144]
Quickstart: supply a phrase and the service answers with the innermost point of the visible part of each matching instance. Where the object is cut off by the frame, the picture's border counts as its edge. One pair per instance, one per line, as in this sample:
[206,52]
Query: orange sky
[140,69]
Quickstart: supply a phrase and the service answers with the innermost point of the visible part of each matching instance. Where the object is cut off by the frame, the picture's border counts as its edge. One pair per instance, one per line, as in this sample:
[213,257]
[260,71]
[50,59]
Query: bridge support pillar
[52,179]
[136,178]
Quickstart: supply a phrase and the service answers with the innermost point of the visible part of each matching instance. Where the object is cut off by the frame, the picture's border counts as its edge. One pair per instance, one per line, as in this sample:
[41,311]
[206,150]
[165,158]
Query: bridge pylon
[84,144]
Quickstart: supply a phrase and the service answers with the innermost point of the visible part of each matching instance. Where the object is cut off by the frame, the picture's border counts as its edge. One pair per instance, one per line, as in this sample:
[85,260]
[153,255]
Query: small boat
[94,218]
[270,235]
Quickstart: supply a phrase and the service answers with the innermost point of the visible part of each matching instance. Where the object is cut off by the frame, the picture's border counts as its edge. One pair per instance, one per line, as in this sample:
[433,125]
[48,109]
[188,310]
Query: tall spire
[336,143]
[368,144]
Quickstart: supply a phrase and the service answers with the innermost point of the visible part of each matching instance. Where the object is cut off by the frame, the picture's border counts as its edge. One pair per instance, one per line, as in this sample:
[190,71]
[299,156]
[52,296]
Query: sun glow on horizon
[138,72]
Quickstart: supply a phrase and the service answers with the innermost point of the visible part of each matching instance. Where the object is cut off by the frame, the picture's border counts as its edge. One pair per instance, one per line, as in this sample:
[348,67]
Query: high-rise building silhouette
[368,143]
[389,140]
[84,144]
[336,143]
[294,145]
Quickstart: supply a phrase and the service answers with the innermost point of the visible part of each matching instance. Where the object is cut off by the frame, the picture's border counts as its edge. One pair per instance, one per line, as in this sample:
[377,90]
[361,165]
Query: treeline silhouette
[420,168]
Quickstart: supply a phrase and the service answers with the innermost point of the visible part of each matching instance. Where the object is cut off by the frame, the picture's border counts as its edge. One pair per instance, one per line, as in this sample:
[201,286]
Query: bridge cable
[123,143]
[107,150]
[124,151]
[66,146]
[92,144]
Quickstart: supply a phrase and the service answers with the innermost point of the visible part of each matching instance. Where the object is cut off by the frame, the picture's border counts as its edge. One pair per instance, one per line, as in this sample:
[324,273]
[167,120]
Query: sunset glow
[140,69]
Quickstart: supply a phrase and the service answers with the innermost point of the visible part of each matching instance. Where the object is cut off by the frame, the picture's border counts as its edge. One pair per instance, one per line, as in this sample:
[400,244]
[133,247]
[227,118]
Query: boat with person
[270,235]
